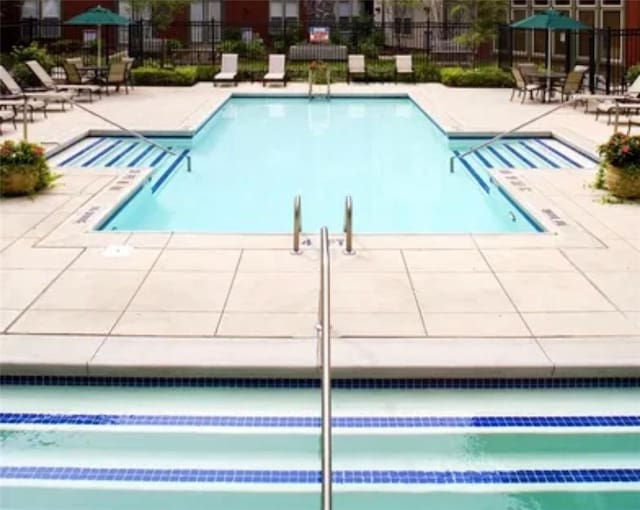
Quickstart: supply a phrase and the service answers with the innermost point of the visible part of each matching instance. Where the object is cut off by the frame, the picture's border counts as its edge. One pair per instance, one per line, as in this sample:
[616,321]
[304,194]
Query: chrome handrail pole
[325,337]
[297,224]
[348,225]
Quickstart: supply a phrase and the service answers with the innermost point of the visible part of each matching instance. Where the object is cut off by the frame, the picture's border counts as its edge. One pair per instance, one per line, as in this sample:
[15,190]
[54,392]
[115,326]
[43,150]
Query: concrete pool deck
[563,304]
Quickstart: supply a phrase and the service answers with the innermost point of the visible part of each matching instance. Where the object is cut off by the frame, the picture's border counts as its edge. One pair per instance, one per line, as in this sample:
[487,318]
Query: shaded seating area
[228,70]
[48,82]
[277,72]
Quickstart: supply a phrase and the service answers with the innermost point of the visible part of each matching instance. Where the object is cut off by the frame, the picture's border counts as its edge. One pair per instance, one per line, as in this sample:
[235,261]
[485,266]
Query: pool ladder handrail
[348,226]
[297,224]
[328,79]
[506,133]
[132,133]
[324,332]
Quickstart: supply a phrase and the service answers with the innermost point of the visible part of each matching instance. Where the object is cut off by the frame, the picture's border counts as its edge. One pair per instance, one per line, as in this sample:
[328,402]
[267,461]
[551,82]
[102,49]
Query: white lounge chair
[277,70]
[7,115]
[404,65]
[228,69]
[356,66]
[47,97]
[607,102]
[49,84]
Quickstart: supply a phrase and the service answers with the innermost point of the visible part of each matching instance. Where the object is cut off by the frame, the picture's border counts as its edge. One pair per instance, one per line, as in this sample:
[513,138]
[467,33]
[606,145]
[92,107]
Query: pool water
[247,446]
[255,154]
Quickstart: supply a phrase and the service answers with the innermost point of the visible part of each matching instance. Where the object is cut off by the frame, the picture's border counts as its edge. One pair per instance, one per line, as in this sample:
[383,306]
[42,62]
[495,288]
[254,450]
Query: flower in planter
[620,166]
[23,169]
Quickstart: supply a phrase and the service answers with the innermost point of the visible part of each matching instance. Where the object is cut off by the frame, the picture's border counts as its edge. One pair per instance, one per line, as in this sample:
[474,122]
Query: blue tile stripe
[82,151]
[484,160]
[355,384]
[141,156]
[314,422]
[408,477]
[100,154]
[504,160]
[122,153]
[519,155]
[159,158]
[169,170]
[472,171]
[544,158]
[558,153]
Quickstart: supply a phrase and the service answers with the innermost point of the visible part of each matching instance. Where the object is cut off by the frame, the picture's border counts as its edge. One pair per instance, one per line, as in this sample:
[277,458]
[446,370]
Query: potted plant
[620,165]
[23,169]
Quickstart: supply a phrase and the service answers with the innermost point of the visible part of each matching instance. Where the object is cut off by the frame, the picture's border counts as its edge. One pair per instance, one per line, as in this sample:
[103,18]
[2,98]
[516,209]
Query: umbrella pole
[548,64]
[99,45]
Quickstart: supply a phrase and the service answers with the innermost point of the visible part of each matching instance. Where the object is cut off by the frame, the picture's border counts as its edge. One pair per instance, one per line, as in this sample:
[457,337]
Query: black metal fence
[193,43]
[607,53]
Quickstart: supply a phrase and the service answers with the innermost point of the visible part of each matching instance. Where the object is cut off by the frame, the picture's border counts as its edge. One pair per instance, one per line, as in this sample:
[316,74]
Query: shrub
[427,72]
[21,54]
[152,76]
[632,73]
[368,48]
[478,77]
[621,151]
[23,168]
[206,72]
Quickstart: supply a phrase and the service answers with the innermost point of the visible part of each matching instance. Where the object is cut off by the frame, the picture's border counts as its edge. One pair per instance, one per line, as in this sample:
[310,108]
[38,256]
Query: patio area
[563,303]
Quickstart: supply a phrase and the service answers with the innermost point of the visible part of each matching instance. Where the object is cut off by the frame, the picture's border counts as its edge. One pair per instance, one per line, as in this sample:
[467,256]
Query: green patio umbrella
[100,17]
[550,20]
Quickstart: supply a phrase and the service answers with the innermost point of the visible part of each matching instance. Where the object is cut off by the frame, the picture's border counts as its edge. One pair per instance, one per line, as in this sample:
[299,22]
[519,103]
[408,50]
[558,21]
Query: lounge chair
[228,69]
[607,102]
[277,70]
[18,105]
[36,100]
[116,76]
[51,85]
[404,66]
[522,87]
[633,121]
[356,66]
[7,115]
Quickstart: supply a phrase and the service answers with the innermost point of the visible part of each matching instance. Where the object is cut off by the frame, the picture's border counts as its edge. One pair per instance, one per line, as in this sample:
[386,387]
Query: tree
[484,17]
[162,11]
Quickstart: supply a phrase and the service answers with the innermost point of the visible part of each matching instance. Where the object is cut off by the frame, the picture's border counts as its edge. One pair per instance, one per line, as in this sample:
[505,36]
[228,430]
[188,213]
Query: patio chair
[356,66]
[35,100]
[572,85]
[527,69]
[228,69]
[522,87]
[18,105]
[7,115]
[277,70]
[116,76]
[51,85]
[129,66]
[607,102]
[404,66]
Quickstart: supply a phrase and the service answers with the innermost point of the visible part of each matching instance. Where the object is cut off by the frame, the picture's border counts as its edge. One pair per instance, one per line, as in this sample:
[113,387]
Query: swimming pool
[240,444]
[255,154]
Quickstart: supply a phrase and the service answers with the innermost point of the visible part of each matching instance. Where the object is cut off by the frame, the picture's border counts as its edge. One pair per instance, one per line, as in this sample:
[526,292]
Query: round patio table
[96,71]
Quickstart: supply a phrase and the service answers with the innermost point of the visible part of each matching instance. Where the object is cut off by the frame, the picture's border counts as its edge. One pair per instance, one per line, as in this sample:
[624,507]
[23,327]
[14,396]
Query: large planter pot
[623,183]
[19,180]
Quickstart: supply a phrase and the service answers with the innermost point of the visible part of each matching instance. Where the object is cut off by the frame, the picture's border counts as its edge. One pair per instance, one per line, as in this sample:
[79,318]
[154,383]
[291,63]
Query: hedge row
[381,71]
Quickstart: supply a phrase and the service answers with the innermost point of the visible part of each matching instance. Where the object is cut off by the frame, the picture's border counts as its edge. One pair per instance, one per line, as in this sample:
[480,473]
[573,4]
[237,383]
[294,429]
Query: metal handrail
[348,225]
[324,323]
[328,78]
[132,133]
[297,223]
[502,135]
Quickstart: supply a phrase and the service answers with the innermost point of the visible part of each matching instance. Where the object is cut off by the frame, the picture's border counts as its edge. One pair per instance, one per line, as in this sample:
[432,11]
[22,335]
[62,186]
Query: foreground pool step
[90,489]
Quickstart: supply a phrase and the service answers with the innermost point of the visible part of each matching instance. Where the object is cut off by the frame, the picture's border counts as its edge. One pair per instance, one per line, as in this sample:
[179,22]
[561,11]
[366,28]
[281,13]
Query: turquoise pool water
[247,446]
[255,154]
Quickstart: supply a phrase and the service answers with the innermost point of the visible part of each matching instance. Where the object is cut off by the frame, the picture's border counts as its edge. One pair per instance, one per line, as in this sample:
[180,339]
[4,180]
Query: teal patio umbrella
[100,17]
[550,20]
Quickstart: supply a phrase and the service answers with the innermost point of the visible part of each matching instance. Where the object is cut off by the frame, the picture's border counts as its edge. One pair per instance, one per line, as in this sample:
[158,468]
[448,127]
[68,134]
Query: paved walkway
[565,304]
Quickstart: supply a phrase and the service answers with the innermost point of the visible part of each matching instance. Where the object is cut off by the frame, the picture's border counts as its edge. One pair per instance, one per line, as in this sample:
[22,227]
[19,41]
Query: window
[519,2]
[344,11]
[586,2]
[281,10]
[560,39]
[48,13]
[613,20]
[540,3]
[539,39]
[201,14]
[606,3]
[562,2]
[588,18]
[519,35]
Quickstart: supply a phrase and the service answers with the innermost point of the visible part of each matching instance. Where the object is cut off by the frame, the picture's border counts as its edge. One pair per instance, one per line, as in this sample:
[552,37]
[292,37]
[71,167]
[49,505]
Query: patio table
[554,78]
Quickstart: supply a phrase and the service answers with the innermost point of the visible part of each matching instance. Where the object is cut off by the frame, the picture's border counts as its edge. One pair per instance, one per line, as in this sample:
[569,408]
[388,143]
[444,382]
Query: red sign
[319,34]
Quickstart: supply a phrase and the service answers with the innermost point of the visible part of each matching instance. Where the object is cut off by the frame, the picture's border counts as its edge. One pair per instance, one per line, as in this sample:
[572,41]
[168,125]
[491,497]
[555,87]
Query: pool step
[111,152]
[527,153]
